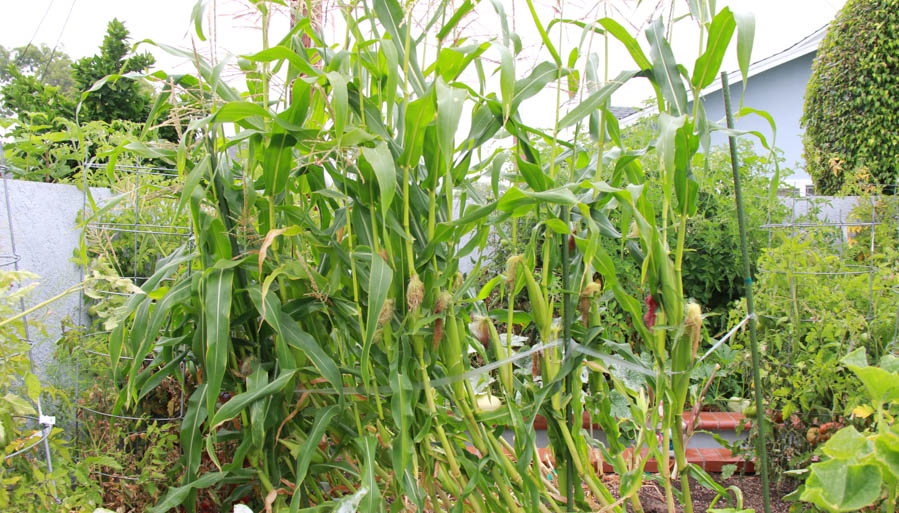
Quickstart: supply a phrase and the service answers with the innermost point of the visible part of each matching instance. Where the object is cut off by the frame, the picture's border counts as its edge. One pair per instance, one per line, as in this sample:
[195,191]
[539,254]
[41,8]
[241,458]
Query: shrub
[851,108]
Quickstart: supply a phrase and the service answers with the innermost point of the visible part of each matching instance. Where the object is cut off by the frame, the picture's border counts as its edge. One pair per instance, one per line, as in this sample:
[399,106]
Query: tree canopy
[37,79]
[119,100]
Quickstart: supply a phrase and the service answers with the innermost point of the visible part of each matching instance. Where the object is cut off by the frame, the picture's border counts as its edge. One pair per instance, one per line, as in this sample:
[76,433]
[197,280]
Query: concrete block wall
[44,226]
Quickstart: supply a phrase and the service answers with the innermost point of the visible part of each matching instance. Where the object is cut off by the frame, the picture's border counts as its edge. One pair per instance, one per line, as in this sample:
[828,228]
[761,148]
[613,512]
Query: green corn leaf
[192,180]
[543,73]
[322,418]
[631,44]
[449,110]
[196,16]
[191,434]
[707,65]
[380,278]
[282,53]
[664,68]
[175,496]
[239,402]
[258,409]
[503,20]
[217,309]
[390,14]
[381,161]
[277,162]
[745,36]
[451,62]
[593,102]
[543,35]
[419,114]
[371,503]
[339,102]
[290,331]
[403,417]
[457,16]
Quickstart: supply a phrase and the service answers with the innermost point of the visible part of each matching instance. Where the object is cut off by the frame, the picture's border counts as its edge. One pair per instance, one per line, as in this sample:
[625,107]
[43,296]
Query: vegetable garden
[359,280]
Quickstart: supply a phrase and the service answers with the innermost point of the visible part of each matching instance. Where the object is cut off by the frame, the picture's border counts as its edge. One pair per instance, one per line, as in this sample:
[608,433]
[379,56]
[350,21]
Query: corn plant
[327,322]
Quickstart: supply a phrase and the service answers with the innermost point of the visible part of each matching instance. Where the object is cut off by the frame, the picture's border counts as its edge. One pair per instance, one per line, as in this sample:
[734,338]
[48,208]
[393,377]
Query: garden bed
[652,496]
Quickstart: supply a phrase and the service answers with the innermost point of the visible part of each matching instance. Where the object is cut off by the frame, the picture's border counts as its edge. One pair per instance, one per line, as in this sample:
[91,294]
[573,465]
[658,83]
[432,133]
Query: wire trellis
[795,279]
[46,422]
[131,236]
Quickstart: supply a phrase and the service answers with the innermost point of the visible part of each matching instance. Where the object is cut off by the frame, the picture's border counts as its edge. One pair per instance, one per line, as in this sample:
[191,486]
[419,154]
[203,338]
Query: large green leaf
[380,278]
[191,434]
[339,102]
[633,47]
[381,161]
[286,327]
[239,402]
[848,444]
[664,68]
[322,419]
[837,486]
[419,114]
[277,163]
[175,496]
[592,102]
[217,309]
[745,36]
[449,110]
[707,65]
[371,503]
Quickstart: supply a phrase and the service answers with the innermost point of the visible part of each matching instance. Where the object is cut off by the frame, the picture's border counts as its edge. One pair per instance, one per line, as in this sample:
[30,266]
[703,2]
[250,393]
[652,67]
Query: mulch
[652,495]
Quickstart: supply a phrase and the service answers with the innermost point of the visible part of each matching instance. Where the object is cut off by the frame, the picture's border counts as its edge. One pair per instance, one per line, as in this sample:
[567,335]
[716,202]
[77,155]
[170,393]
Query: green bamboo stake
[750,310]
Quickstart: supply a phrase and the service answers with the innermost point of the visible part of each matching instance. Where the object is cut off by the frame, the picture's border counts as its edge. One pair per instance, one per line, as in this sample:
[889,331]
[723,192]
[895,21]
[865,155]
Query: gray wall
[781,92]
[44,226]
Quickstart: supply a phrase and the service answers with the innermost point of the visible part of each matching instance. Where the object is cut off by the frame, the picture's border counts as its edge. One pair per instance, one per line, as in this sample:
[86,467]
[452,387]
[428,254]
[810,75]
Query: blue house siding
[781,92]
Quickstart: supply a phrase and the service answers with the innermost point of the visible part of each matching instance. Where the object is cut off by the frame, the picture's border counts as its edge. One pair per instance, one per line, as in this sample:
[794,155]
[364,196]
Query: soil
[652,495]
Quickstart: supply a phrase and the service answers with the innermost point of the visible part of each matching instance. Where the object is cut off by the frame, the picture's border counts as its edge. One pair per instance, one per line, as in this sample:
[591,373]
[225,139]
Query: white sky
[779,24]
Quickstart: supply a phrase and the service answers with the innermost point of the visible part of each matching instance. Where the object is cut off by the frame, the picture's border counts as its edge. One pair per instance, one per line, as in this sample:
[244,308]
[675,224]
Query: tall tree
[123,99]
[52,67]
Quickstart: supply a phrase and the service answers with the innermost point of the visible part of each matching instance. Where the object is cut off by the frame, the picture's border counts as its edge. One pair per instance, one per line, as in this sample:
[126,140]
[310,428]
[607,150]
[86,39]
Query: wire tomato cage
[123,238]
[825,248]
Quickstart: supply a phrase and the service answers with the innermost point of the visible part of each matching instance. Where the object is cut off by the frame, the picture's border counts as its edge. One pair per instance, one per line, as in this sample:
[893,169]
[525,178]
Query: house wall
[781,92]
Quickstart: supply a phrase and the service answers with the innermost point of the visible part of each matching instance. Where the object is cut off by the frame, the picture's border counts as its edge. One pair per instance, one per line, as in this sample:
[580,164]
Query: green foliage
[48,150]
[819,295]
[26,94]
[322,318]
[862,469]
[28,485]
[851,107]
[120,100]
[36,79]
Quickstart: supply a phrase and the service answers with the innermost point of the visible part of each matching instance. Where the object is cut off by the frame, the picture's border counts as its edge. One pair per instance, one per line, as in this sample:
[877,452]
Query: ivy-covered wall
[851,116]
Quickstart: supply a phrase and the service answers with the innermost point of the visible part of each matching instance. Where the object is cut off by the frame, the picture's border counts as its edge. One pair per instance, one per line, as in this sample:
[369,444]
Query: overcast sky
[779,24]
